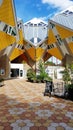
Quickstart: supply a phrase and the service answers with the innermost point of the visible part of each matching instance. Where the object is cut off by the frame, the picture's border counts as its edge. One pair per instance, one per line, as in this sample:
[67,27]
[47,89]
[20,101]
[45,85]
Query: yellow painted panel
[51,37]
[6,40]
[35,54]
[16,52]
[7,12]
[24,58]
[46,56]
[24,42]
[64,32]
[39,53]
[71,46]
[55,52]
[31,52]
[21,40]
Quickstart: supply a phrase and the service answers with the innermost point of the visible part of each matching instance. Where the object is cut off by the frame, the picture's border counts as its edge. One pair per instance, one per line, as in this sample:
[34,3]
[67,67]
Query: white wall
[52,70]
[59,74]
[20,67]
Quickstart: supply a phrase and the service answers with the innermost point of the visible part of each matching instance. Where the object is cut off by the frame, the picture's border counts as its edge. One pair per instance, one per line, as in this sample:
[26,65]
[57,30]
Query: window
[2,71]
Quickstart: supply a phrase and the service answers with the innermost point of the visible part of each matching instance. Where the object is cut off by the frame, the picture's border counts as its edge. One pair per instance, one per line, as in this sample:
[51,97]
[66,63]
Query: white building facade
[54,71]
[17,70]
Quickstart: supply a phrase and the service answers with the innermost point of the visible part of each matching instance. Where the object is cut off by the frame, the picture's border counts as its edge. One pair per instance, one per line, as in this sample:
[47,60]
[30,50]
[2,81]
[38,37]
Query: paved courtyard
[24,107]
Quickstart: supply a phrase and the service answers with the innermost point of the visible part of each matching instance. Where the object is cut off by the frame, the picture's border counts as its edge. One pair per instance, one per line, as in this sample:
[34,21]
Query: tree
[70,66]
[66,75]
[41,77]
[42,74]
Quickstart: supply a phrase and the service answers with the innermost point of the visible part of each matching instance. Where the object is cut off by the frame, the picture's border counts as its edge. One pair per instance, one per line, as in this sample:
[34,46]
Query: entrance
[14,72]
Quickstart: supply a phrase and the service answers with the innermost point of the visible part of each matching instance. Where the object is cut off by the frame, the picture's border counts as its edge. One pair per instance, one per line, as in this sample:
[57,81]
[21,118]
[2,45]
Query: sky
[43,9]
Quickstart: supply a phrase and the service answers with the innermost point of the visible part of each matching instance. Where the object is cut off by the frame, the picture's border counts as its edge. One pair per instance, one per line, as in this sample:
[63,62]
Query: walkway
[23,107]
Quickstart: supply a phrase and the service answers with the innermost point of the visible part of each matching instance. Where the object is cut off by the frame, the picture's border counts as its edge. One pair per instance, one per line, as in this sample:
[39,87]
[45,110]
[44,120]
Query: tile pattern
[23,106]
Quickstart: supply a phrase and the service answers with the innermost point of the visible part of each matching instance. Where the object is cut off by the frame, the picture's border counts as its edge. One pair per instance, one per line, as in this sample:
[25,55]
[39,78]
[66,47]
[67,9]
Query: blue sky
[44,9]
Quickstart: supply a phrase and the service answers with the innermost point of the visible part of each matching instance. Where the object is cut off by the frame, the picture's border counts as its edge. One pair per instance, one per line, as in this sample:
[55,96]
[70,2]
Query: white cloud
[46,17]
[61,4]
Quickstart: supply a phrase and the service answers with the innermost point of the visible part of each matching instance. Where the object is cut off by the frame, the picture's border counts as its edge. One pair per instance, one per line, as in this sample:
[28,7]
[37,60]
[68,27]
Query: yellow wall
[31,52]
[6,40]
[51,37]
[71,46]
[16,52]
[6,12]
[35,54]
[21,39]
[64,32]
[7,16]
[55,52]
[39,53]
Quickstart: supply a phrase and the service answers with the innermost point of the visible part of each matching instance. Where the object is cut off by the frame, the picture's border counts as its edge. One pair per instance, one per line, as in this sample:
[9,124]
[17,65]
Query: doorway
[14,72]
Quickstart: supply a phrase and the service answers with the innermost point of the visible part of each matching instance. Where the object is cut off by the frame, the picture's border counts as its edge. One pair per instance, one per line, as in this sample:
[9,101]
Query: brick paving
[23,106]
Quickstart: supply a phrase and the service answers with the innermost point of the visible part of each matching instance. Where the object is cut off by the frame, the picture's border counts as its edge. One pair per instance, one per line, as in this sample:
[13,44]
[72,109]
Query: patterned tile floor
[24,107]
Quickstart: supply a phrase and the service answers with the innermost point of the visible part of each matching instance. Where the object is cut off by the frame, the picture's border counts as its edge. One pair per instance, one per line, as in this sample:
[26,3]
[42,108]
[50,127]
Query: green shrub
[70,91]
[31,75]
[70,86]
[1,79]
[43,76]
